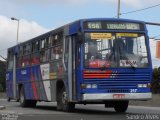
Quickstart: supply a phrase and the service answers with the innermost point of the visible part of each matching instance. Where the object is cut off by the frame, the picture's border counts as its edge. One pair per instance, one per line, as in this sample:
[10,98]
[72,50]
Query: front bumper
[111,96]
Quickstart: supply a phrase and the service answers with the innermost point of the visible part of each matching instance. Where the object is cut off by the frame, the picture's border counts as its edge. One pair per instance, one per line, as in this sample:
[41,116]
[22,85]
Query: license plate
[118,96]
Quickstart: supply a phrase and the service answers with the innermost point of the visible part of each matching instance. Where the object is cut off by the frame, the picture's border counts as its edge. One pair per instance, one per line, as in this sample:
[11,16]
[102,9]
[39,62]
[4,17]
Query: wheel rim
[64,97]
[21,97]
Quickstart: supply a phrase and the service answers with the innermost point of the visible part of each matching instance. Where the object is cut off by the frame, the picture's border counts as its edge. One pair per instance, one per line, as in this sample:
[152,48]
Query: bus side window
[26,49]
[35,59]
[47,42]
[56,39]
[42,45]
[60,38]
[26,55]
[57,47]
[44,57]
[21,51]
[53,40]
[44,51]
[20,57]
[35,46]
[56,52]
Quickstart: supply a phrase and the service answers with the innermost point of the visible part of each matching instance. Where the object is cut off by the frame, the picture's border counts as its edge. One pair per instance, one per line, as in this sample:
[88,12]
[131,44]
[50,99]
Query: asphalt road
[47,111]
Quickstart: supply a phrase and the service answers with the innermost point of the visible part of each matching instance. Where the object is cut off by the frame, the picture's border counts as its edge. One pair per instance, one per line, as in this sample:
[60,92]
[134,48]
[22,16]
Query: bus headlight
[88,86]
[142,85]
[94,86]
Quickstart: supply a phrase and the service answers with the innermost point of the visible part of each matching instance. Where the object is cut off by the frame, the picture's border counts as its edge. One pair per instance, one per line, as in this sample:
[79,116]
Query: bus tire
[67,106]
[22,99]
[32,103]
[121,106]
[59,102]
[8,99]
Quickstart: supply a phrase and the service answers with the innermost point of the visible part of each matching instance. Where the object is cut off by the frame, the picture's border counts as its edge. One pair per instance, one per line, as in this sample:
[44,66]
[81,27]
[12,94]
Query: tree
[156,80]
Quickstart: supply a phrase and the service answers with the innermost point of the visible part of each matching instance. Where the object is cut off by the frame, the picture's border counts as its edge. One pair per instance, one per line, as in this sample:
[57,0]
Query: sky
[39,16]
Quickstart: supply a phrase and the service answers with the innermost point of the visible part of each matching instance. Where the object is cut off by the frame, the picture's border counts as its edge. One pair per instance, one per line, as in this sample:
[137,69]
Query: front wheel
[63,103]
[121,106]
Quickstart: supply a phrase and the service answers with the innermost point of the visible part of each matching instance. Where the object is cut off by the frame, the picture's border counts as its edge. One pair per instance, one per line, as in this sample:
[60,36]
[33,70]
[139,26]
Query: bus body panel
[36,83]
[9,84]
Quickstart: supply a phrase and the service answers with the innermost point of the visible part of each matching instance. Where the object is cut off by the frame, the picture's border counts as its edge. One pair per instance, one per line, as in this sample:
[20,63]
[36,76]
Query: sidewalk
[155,102]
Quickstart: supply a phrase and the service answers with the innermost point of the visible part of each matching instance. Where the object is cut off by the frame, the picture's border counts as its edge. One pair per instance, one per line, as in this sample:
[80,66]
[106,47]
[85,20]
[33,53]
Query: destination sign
[123,26]
[100,25]
[94,25]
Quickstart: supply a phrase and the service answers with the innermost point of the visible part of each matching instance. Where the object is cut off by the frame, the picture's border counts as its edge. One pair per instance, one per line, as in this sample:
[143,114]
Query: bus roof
[112,19]
[79,21]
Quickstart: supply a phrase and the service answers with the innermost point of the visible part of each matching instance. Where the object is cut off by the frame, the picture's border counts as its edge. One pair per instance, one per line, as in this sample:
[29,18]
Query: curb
[2,107]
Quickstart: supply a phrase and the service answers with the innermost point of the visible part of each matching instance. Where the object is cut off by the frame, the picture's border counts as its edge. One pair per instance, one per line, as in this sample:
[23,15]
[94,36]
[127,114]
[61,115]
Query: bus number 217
[133,90]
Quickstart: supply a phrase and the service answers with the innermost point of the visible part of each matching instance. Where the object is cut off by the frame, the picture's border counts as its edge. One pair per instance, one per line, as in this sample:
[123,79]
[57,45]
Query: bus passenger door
[78,69]
[69,58]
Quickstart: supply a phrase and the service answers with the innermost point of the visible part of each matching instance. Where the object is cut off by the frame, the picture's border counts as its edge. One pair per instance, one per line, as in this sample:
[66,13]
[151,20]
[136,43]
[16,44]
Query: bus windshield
[124,50]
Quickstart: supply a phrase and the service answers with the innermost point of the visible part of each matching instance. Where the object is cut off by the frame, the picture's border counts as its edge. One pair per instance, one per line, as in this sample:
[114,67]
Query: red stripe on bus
[97,74]
[34,87]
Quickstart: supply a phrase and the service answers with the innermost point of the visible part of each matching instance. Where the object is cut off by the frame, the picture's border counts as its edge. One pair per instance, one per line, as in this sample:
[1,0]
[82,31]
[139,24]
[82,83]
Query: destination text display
[113,25]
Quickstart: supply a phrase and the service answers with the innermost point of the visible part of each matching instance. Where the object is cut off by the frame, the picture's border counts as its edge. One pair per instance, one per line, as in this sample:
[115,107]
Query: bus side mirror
[79,37]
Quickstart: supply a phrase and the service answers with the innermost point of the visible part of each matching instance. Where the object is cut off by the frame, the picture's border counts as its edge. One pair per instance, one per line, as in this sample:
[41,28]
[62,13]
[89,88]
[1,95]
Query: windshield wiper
[132,66]
[125,57]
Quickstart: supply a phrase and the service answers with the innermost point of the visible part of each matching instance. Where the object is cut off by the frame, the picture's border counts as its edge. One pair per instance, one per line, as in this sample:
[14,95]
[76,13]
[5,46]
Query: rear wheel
[32,103]
[9,99]
[63,103]
[22,99]
[121,106]
[59,102]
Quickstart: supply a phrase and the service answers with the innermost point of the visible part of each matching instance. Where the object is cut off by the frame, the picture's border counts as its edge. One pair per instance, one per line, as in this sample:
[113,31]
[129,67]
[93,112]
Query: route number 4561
[133,90]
